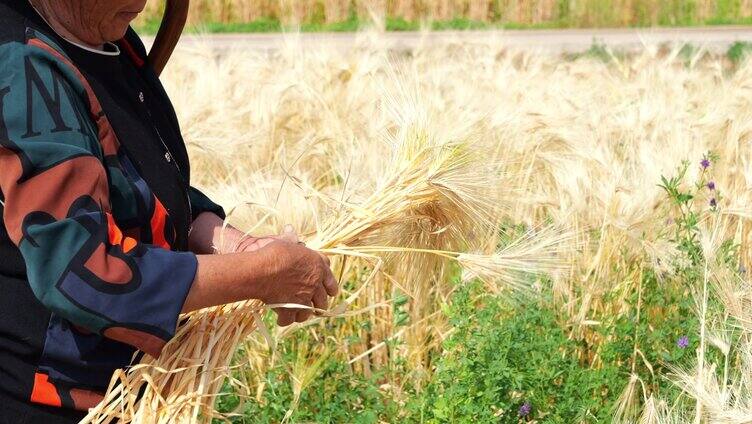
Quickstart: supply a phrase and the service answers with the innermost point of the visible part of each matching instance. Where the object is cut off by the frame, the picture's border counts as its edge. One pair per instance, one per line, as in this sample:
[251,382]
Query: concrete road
[715,39]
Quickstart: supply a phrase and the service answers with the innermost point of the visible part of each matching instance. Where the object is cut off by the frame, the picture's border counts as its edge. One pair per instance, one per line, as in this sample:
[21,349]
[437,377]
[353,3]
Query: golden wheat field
[409,169]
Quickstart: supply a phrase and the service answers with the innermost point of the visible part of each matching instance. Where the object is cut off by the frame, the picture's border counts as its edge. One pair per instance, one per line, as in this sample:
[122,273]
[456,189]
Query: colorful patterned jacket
[89,260]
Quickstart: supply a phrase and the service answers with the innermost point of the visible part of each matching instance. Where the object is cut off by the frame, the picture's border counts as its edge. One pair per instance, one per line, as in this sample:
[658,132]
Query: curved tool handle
[173,22]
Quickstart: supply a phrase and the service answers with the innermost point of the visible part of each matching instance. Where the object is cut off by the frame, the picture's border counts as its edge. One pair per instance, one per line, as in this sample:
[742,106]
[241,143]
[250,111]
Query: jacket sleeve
[79,264]
[200,203]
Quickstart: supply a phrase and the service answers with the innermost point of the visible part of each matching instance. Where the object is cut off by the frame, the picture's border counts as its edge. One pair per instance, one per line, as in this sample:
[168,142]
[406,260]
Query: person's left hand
[252,244]
[209,235]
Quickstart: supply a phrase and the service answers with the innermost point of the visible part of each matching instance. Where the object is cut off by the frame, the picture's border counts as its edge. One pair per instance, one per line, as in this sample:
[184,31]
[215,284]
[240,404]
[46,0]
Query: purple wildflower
[705,163]
[683,342]
[525,409]
[713,203]
[711,185]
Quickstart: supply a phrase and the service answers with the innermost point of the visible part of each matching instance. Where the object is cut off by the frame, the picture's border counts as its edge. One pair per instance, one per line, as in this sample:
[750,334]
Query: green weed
[739,51]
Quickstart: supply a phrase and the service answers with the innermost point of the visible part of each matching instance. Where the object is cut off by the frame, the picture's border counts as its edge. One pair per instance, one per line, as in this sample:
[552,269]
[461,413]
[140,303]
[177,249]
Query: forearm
[222,279]
[281,272]
[210,236]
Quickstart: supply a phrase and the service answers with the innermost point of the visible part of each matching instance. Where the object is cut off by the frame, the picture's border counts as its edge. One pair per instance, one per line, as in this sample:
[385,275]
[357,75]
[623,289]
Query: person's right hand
[279,270]
[297,275]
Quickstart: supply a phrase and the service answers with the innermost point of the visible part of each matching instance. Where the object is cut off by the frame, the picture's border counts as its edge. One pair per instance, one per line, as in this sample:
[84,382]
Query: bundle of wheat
[435,192]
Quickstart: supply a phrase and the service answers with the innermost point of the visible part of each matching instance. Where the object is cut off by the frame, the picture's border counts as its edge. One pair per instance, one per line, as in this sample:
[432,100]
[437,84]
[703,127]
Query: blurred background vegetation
[349,15]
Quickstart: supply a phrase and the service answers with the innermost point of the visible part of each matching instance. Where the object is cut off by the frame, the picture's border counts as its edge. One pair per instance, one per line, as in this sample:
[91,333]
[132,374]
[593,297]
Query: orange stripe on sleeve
[45,392]
[116,238]
[158,222]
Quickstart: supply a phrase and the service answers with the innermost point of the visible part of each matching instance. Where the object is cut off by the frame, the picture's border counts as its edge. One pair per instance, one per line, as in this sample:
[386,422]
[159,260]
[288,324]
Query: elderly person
[103,241]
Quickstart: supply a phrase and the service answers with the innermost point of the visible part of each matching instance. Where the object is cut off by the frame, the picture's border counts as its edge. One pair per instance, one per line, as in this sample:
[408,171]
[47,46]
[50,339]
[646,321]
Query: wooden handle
[173,22]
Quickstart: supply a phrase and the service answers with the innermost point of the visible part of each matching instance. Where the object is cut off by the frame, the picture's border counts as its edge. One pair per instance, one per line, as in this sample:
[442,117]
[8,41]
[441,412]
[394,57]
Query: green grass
[260,25]
[739,51]
[504,351]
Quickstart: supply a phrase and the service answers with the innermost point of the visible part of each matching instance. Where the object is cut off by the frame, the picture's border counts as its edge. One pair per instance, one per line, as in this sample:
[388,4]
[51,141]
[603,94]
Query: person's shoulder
[29,57]
[21,38]
[13,23]
[28,47]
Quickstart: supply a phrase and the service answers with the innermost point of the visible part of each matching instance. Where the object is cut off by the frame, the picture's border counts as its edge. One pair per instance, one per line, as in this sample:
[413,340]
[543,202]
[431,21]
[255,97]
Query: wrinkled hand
[297,275]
